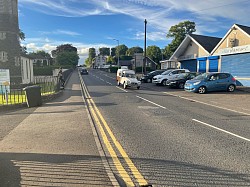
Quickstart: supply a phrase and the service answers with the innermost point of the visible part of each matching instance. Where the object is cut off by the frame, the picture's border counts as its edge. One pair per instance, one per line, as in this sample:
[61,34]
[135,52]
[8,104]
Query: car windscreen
[182,75]
[201,77]
[130,75]
[166,72]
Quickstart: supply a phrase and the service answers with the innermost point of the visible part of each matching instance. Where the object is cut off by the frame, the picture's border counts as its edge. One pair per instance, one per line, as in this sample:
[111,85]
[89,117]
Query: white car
[168,74]
[127,78]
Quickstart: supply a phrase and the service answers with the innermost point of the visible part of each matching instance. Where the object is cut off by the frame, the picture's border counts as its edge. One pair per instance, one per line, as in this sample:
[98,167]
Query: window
[223,76]
[3,56]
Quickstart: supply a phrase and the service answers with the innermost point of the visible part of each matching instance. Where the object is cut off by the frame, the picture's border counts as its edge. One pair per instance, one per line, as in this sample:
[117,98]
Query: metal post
[145,50]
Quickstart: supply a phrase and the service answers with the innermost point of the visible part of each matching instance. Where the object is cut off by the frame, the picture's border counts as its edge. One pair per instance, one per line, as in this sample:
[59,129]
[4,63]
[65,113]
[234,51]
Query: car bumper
[190,88]
[157,81]
[133,85]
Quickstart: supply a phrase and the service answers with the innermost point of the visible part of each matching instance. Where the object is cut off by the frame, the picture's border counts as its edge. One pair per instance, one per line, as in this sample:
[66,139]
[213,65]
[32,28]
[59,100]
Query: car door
[213,83]
[223,81]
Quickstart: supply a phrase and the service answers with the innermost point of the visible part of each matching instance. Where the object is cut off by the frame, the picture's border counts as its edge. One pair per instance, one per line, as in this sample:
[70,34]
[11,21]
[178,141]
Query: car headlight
[159,77]
[139,82]
[196,83]
[128,82]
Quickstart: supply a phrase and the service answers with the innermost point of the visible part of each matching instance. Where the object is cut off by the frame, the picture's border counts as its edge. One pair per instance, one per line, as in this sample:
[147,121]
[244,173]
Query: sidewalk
[53,145]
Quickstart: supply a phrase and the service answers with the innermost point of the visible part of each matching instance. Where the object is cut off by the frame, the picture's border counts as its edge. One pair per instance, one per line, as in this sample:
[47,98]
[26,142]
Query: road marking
[231,110]
[241,137]
[96,115]
[121,89]
[109,83]
[101,79]
[151,102]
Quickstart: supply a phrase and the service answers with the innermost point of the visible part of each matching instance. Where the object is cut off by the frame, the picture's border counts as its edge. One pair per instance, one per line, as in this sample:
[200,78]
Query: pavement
[52,145]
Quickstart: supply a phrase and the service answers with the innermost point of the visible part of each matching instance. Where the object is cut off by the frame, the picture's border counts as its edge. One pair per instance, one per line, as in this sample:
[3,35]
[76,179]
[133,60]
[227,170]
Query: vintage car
[127,78]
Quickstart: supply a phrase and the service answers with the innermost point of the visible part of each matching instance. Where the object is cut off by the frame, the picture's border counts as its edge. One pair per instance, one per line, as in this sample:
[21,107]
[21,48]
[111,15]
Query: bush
[113,69]
[43,71]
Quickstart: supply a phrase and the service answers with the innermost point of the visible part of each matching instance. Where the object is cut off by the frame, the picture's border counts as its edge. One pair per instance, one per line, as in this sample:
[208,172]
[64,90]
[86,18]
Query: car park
[162,78]
[207,82]
[180,80]
[148,77]
[84,72]
[127,78]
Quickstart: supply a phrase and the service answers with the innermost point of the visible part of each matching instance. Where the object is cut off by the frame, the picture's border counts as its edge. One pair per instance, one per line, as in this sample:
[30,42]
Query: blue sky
[94,23]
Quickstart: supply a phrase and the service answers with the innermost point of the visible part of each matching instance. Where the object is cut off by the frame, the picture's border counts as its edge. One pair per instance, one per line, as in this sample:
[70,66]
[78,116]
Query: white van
[127,78]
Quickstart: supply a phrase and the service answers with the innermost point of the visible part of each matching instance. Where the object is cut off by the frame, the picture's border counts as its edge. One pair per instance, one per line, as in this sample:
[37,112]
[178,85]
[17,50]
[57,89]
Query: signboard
[234,50]
[4,81]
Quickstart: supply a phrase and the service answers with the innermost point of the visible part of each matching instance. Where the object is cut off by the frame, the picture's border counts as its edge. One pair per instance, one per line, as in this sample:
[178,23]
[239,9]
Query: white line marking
[121,89]
[151,102]
[207,104]
[241,137]
[101,79]
[109,83]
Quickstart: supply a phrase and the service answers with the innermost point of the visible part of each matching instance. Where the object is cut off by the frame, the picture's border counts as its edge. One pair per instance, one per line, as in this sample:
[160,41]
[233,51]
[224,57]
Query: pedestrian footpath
[54,145]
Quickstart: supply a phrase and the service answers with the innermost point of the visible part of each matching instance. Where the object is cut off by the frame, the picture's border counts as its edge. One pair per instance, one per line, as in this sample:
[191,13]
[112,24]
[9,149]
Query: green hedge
[113,69]
[48,70]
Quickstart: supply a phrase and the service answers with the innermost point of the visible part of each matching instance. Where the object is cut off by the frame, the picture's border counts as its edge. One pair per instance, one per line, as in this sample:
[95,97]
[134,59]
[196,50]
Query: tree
[63,48]
[113,50]
[87,62]
[110,60]
[178,33]
[92,53]
[121,49]
[104,51]
[131,51]
[154,53]
[67,58]
[22,38]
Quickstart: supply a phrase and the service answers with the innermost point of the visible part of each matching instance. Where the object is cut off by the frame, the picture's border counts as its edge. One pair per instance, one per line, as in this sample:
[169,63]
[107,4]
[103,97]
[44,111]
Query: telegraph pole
[145,46]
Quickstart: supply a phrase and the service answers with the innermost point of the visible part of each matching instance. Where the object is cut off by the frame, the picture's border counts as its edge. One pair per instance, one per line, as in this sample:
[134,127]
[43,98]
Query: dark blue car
[207,82]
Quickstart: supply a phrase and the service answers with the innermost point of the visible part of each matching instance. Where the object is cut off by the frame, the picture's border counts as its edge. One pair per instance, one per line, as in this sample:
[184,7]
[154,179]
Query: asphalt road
[174,140]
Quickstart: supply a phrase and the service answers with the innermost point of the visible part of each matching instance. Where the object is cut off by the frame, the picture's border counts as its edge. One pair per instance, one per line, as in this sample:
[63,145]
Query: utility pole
[118,56]
[145,46]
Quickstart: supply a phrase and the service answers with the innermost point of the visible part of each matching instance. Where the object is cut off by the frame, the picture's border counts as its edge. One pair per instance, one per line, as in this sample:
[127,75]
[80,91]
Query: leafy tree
[154,53]
[104,51]
[178,33]
[121,50]
[113,51]
[110,60]
[67,58]
[131,51]
[87,62]
[92,53]
[21,35]
[63,48]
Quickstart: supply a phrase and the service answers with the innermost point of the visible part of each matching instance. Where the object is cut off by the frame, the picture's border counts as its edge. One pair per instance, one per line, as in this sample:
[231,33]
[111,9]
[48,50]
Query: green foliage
[178,32]
[43,71]
[113,51]
[88,62]
[125,57]
[113,69]
[63,48]
[21,35]
[154,53]
[104,51]
[110,60]
[131,51]
[121,50]
[67,58]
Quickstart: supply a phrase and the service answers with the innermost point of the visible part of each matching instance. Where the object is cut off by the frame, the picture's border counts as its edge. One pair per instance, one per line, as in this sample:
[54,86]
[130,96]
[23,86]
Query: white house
[27,69]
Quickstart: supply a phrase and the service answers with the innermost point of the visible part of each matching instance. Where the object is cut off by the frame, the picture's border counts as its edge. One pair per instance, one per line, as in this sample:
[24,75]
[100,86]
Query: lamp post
[145,40]
[118,63]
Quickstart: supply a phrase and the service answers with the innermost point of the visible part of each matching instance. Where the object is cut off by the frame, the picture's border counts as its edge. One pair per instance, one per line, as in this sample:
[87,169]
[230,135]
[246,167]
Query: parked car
[180,80]
[162,78]
[211,82]
[127,78]
[84,72]
[148,77]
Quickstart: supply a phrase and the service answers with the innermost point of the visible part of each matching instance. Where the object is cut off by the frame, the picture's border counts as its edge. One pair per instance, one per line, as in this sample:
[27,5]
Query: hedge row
[48,70]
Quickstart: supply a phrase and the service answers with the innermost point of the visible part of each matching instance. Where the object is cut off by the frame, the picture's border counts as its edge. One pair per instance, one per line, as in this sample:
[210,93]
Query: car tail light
[233,79]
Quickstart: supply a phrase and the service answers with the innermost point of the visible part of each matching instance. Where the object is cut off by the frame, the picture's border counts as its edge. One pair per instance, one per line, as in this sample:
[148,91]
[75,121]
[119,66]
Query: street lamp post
[145,47]
[118,63]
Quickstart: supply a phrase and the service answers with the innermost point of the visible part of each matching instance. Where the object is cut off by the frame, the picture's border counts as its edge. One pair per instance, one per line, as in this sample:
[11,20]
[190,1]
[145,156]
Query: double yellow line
[102,126]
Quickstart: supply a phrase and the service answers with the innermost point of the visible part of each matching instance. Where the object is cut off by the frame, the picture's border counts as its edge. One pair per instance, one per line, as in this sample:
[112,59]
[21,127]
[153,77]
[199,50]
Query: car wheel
[138,87]
[164,82]
[202,90]
[181,85]
[231,88]
[148,80]
[118,83]
[124,85]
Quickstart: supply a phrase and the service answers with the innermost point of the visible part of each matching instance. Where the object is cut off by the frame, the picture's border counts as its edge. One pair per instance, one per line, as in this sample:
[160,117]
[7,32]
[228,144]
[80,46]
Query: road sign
[4,81]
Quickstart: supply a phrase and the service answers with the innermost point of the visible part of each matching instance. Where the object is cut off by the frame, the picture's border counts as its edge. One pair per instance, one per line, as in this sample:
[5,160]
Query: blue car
[207,82]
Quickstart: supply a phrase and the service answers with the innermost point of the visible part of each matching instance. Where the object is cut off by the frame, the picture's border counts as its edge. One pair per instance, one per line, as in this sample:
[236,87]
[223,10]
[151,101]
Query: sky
[96,23]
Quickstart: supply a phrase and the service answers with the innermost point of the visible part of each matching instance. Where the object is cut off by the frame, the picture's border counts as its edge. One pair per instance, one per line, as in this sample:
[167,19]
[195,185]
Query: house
[27,69]
[193,52]
[233,52]
[138,59]
[99,61]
